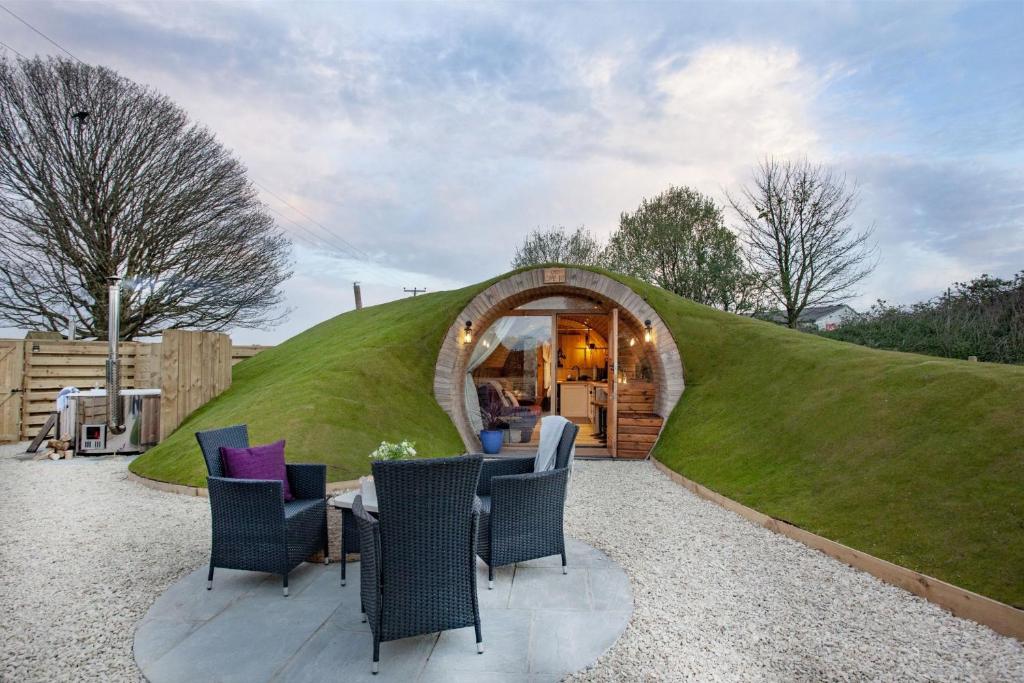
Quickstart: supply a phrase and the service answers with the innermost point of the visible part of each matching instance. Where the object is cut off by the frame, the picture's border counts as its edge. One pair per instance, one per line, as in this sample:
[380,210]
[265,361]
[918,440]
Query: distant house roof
[810,315]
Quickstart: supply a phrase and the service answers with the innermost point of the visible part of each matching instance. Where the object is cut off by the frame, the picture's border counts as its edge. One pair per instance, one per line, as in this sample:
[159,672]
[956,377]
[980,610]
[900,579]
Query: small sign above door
[554,276]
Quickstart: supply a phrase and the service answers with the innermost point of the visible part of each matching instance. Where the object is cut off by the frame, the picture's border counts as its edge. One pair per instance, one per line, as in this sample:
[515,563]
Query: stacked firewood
[56,449]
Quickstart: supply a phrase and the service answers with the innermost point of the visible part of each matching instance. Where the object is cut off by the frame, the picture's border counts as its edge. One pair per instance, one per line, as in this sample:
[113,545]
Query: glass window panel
[513,375]
[560,303]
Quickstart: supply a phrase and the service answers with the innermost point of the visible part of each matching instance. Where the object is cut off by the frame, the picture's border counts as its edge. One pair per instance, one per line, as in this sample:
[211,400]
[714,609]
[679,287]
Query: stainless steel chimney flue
[115,405]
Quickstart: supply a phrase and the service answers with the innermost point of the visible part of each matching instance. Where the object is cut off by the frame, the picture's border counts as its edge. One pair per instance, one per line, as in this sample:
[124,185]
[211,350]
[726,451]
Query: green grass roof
[915,459]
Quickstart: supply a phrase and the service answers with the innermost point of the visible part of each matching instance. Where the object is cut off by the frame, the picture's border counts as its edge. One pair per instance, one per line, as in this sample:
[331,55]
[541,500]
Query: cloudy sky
[425,140]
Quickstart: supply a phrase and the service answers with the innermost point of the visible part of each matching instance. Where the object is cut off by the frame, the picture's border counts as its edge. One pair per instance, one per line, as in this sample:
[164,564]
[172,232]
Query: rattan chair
[522,511]
[253,527]
[417,561]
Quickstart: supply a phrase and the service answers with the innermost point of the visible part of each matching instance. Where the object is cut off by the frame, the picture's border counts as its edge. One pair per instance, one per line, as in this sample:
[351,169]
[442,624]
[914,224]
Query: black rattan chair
[522,511]
[417,561]
[253,527]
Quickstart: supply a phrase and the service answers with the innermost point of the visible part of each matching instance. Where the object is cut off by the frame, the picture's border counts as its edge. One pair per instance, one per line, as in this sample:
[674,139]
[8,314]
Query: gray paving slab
[571,640]
[334,654]
[538,625]
[499,595]
[506,634]
[577,554]
[247,643]
[155,637]
[549,588]
[609,589]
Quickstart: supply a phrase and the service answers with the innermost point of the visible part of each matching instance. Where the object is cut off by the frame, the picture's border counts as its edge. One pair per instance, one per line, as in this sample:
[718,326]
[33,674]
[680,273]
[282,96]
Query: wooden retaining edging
[998,616]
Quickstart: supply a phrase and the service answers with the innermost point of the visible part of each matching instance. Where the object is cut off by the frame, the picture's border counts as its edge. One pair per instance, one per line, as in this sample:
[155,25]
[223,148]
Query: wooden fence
[194,367]
[189,368]
[240,353]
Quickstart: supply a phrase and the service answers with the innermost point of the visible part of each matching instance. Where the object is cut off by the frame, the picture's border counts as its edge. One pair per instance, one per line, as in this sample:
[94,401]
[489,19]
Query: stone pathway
[538,625]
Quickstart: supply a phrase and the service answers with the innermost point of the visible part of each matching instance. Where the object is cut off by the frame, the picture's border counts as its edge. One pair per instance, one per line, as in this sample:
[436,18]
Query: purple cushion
[257,462]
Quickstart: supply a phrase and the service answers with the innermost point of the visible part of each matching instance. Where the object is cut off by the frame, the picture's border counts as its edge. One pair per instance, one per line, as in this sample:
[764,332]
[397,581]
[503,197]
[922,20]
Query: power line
[3,44]
[315,241]
[325,241]
[319,242]
[348,248]
[48,38]
[351,246]
[317,238]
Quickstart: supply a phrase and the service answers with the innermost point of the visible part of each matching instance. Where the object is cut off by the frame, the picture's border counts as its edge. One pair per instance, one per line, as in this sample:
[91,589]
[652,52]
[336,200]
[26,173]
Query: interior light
[467,333]
[632,341]
[648,332]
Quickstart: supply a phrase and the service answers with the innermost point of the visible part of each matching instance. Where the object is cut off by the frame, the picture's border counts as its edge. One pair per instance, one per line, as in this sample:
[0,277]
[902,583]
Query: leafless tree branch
[134,189]
[795,219]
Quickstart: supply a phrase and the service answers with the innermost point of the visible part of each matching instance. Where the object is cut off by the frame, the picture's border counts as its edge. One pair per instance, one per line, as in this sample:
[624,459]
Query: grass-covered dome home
[913,459]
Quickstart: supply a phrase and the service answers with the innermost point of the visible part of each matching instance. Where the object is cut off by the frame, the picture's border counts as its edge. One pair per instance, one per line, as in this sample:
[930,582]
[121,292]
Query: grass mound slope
[334,392]
[915,459]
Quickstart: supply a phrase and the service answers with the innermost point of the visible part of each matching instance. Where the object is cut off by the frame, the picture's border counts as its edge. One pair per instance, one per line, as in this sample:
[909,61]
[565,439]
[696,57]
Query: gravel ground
[721,599]
[84,552]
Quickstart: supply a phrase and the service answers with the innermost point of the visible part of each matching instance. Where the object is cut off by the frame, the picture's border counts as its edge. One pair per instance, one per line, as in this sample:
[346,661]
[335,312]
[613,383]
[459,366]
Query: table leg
[349,539]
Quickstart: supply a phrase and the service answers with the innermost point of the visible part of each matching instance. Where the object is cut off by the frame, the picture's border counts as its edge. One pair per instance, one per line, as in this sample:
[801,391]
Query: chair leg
[209,579]
[376,654]
[564,569]
[327,549]
[286,585]
[490,577]
[479,639]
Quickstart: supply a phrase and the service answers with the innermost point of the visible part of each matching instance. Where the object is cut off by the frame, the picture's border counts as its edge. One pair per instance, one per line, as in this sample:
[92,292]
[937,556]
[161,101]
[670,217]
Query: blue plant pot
[491,440]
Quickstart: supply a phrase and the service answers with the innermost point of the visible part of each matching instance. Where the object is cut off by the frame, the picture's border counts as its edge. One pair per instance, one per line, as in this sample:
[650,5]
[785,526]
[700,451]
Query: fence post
[168,382]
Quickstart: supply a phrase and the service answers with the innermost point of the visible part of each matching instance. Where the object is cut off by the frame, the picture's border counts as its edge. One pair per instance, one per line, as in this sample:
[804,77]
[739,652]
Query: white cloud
[917,272]
[436,136]
[718,107]
[322,288]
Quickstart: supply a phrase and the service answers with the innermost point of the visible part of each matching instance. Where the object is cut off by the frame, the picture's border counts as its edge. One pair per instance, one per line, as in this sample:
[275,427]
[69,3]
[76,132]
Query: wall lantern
[648,332]
[467,333]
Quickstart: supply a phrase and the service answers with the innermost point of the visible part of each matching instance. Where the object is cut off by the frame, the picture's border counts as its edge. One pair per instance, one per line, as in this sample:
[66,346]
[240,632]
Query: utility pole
[359,295]
[414,291]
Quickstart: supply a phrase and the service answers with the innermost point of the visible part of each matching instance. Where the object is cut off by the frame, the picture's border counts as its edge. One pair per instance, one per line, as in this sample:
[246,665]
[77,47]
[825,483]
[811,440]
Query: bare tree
[796,222]
[555,245]
[100,176]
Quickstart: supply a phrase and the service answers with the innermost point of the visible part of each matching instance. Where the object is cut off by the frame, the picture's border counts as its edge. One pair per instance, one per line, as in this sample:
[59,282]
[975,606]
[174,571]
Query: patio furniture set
[417,540]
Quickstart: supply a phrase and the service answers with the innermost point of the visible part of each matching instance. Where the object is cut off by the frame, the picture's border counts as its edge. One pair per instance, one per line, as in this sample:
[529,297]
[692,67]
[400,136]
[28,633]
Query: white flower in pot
[385,451]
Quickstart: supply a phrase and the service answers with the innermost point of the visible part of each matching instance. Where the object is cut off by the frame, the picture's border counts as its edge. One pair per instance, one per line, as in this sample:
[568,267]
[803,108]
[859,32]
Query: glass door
[510,378]
[581,372]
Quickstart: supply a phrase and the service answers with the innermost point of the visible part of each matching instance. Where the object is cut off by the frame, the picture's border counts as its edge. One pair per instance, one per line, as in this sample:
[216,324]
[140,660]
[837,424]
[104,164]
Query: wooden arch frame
[522,287]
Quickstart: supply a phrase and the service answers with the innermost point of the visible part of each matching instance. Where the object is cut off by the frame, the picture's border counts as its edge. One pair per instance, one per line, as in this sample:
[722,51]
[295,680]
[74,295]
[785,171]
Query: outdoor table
[349,532]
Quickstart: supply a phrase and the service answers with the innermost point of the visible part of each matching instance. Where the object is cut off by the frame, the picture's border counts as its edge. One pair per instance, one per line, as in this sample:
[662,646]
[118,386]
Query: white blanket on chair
[547,450]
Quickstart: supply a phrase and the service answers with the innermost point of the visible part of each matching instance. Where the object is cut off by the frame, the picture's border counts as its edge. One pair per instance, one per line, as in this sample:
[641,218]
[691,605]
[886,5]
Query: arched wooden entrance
[503,297]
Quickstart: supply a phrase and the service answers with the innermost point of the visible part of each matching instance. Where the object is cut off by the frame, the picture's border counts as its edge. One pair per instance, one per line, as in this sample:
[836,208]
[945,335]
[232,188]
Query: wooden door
[612,417]
[553,361]
[12,357]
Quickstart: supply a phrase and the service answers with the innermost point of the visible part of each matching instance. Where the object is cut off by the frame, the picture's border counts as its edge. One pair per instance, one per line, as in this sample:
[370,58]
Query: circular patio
[538,625]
